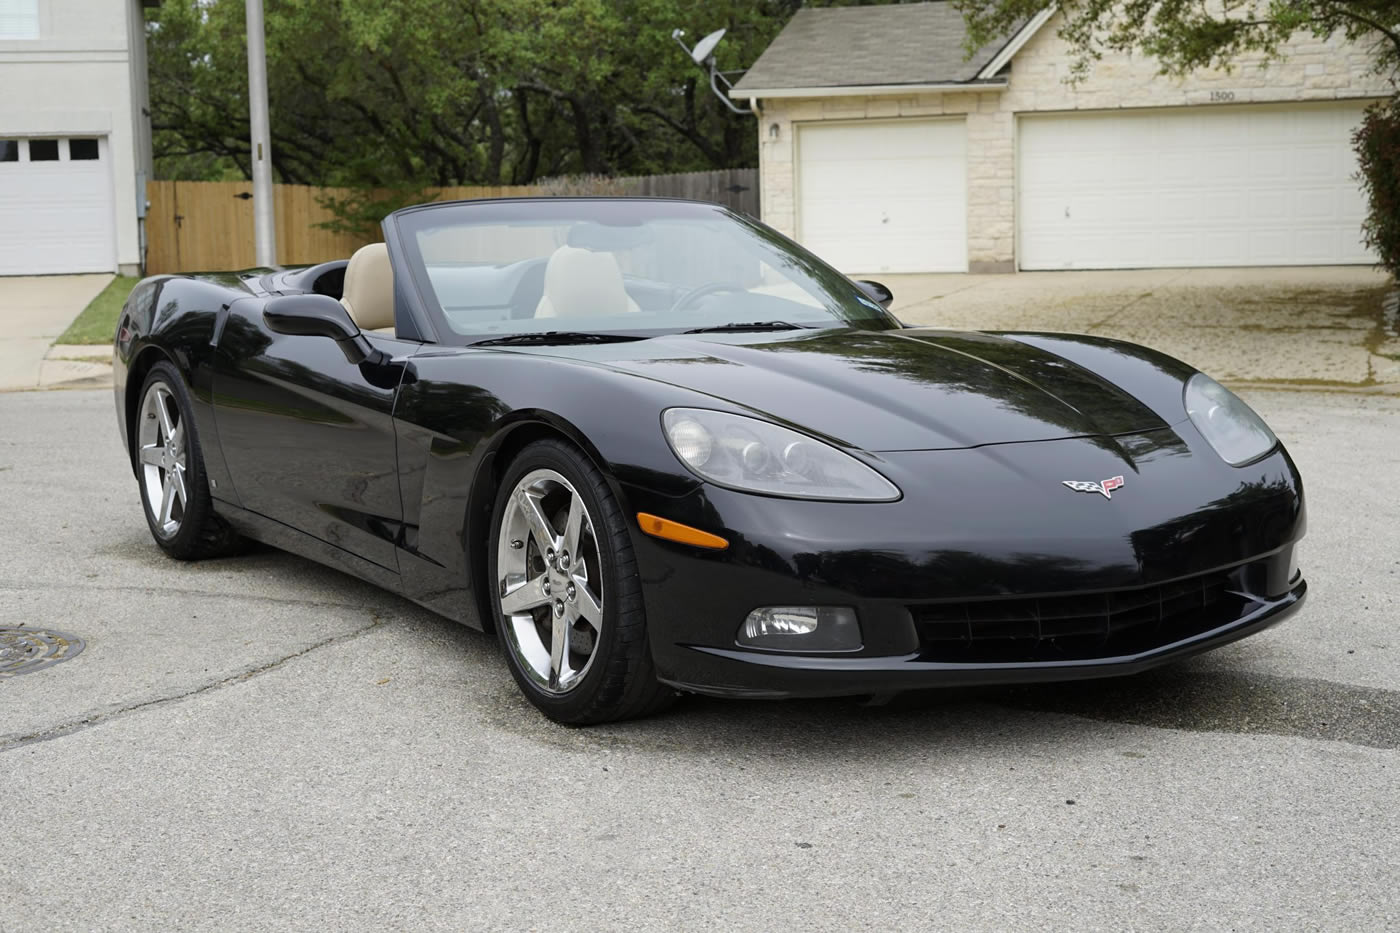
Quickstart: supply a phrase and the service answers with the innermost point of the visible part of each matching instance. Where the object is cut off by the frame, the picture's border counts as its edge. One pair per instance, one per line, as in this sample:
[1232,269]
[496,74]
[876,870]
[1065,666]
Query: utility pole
[264,224]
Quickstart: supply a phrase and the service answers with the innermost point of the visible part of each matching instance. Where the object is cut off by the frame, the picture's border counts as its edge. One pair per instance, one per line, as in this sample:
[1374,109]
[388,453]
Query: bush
[1377,143]
[359,211]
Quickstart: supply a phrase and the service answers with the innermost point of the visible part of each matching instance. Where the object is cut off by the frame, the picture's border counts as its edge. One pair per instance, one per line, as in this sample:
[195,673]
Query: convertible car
[658,448]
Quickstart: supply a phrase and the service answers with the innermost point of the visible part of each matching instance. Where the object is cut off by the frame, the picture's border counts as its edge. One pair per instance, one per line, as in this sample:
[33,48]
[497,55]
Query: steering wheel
[700,291]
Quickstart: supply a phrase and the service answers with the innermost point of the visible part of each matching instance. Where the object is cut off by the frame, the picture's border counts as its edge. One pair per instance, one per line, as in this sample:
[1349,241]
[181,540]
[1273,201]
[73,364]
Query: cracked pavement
[261,743]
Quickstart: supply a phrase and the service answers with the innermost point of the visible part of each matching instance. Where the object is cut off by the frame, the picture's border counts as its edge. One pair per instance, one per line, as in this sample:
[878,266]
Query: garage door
[1204,186]
[884,196]
[56,208]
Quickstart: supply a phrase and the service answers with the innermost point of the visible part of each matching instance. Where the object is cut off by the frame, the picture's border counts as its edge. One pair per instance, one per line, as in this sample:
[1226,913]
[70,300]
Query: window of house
[82,150]
[19,19]
[9,150]
[43,150]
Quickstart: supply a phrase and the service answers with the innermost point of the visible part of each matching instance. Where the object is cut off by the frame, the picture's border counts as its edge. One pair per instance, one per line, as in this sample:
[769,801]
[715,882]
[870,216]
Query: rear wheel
[170,471]
[567,597]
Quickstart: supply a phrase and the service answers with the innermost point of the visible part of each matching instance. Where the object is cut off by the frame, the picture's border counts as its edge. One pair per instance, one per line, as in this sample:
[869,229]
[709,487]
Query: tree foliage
[1184,35]
[1377,143]
[405,93]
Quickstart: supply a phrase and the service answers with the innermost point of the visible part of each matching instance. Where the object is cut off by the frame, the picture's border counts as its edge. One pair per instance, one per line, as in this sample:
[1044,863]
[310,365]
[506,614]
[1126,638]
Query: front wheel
[170,470]
[567,596]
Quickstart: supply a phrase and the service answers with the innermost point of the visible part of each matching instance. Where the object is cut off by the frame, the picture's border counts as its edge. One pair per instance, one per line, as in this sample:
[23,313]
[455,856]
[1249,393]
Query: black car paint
[387,470]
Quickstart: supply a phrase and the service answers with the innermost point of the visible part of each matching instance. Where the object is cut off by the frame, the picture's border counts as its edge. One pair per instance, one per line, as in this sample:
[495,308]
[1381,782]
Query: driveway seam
[1147,294]
[935,298]
[10,743]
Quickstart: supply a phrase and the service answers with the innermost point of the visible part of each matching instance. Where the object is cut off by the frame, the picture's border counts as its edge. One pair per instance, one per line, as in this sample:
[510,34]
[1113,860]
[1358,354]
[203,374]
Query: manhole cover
[24,650]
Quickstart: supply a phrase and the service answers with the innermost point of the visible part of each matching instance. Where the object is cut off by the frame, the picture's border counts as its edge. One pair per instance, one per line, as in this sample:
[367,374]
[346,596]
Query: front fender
[173,318]
[459,411]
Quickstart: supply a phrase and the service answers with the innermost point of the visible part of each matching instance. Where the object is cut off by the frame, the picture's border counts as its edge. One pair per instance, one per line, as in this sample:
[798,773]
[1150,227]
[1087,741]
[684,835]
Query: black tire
[202,534]
[620,683]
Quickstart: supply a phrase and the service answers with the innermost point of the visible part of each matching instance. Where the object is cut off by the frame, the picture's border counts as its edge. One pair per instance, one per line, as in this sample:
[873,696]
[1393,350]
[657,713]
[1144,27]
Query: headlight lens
[1231,426]
[758,456]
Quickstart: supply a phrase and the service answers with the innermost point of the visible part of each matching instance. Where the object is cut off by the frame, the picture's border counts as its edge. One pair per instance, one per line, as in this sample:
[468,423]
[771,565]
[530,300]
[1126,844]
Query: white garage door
[884,196]
[56,208]
[1202,186]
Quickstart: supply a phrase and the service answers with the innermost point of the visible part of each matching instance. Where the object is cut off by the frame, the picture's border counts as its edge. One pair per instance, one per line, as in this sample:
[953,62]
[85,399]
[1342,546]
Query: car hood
[911,389]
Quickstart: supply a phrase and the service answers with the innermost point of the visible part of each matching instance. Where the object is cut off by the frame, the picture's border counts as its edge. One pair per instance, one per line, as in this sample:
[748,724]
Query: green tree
[1184,35]
[406,93]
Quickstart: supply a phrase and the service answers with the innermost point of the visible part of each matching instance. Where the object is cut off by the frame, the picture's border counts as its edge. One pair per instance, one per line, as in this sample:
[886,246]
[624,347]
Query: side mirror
[309,316]
[319,316]
[878,293]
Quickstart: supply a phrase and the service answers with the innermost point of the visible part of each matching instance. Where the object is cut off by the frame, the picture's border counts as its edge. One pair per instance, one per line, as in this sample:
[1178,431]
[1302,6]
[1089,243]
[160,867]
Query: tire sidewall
[588,694]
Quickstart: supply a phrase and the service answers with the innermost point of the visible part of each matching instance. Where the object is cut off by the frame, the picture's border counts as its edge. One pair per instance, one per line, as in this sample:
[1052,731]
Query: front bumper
[980,578]
[766,675]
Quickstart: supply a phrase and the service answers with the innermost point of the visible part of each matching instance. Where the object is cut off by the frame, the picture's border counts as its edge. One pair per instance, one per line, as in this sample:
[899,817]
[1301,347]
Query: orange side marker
[659,527]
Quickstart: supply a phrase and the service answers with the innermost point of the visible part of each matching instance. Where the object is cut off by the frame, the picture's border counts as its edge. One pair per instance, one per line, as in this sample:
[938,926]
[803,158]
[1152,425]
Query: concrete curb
[76,366]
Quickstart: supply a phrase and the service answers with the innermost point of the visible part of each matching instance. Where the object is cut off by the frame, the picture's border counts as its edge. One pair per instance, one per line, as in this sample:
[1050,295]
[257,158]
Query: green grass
[98,322]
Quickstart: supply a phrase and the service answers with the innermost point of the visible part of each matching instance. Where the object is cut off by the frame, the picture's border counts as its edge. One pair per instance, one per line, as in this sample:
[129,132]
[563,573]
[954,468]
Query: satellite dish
[704,55]
[706,46]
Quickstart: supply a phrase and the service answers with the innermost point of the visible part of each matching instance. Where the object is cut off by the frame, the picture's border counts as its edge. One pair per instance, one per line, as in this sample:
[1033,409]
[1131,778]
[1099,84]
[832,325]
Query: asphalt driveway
[261,743]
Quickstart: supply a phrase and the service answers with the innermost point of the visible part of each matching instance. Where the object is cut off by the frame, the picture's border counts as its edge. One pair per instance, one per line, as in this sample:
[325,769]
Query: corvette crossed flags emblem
[1104,488]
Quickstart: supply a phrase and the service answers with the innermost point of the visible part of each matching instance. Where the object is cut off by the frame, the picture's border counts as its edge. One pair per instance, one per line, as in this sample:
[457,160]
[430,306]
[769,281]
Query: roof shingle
[902,43]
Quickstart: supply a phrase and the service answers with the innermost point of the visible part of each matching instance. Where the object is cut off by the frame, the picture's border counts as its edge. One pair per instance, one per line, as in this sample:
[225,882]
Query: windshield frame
[402,227]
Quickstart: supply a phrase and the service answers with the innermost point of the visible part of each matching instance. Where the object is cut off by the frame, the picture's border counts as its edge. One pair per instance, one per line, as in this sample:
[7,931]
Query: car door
[308,436]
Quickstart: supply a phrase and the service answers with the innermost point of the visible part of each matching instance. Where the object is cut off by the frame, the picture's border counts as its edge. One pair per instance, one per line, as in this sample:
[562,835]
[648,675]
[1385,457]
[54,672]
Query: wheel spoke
[589,608]
[176,440]
[167,499]
[167,426]
[151,454]
[573,525]
[178,475]
[558,651]
[527,595]
[539,527]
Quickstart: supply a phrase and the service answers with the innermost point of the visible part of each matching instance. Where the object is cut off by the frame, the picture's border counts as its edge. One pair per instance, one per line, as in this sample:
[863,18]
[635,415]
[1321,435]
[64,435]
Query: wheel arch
[504,447]
[140,367]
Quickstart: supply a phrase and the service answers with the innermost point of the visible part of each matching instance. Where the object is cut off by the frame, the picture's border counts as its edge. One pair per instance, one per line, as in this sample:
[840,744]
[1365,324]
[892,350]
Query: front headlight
[1231,426]
[758,456]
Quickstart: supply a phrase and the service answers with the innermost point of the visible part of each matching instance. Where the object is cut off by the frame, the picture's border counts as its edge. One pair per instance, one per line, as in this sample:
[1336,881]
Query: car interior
[581,271]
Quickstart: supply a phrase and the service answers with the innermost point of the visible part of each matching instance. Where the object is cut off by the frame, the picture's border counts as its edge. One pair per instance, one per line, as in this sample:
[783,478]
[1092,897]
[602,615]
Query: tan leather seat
[582,283]
[369,288]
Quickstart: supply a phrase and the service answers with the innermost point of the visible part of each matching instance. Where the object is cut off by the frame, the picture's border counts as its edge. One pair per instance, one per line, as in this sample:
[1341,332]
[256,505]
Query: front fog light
[802,629]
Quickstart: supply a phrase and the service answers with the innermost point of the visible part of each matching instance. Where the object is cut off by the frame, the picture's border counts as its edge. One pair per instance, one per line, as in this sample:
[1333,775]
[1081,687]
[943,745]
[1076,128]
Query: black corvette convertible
[656,447]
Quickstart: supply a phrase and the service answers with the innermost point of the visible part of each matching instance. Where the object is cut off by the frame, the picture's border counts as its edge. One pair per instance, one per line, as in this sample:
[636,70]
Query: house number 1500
[1217,97]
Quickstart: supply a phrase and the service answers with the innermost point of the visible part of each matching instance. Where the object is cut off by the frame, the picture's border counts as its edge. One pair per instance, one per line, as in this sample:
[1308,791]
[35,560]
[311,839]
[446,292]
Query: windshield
[638,267]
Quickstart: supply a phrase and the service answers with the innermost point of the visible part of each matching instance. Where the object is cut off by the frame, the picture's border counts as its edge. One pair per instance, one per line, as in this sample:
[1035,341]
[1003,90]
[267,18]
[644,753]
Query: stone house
[883,148]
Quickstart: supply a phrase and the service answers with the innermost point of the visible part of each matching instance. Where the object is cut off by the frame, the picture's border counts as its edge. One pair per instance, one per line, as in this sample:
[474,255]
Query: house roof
[898,45]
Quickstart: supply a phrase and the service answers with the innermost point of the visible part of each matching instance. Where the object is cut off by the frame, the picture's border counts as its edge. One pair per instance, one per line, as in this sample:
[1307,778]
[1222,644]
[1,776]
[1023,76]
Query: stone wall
[1313,70]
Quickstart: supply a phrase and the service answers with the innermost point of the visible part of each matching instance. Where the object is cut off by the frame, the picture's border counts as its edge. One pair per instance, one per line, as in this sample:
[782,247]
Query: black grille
[1080,627]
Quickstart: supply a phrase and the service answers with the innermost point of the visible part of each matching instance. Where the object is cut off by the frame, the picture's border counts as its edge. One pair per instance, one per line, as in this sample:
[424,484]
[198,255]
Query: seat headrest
[579,282]
[369,288]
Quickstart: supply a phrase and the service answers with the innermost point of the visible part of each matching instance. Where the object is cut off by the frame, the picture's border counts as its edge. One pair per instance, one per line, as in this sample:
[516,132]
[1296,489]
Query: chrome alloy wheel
[162,446]
[550,581]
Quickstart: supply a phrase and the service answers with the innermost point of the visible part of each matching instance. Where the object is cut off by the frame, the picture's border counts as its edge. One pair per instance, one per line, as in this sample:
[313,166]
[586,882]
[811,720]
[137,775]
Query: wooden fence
[194,226]
[735,187]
